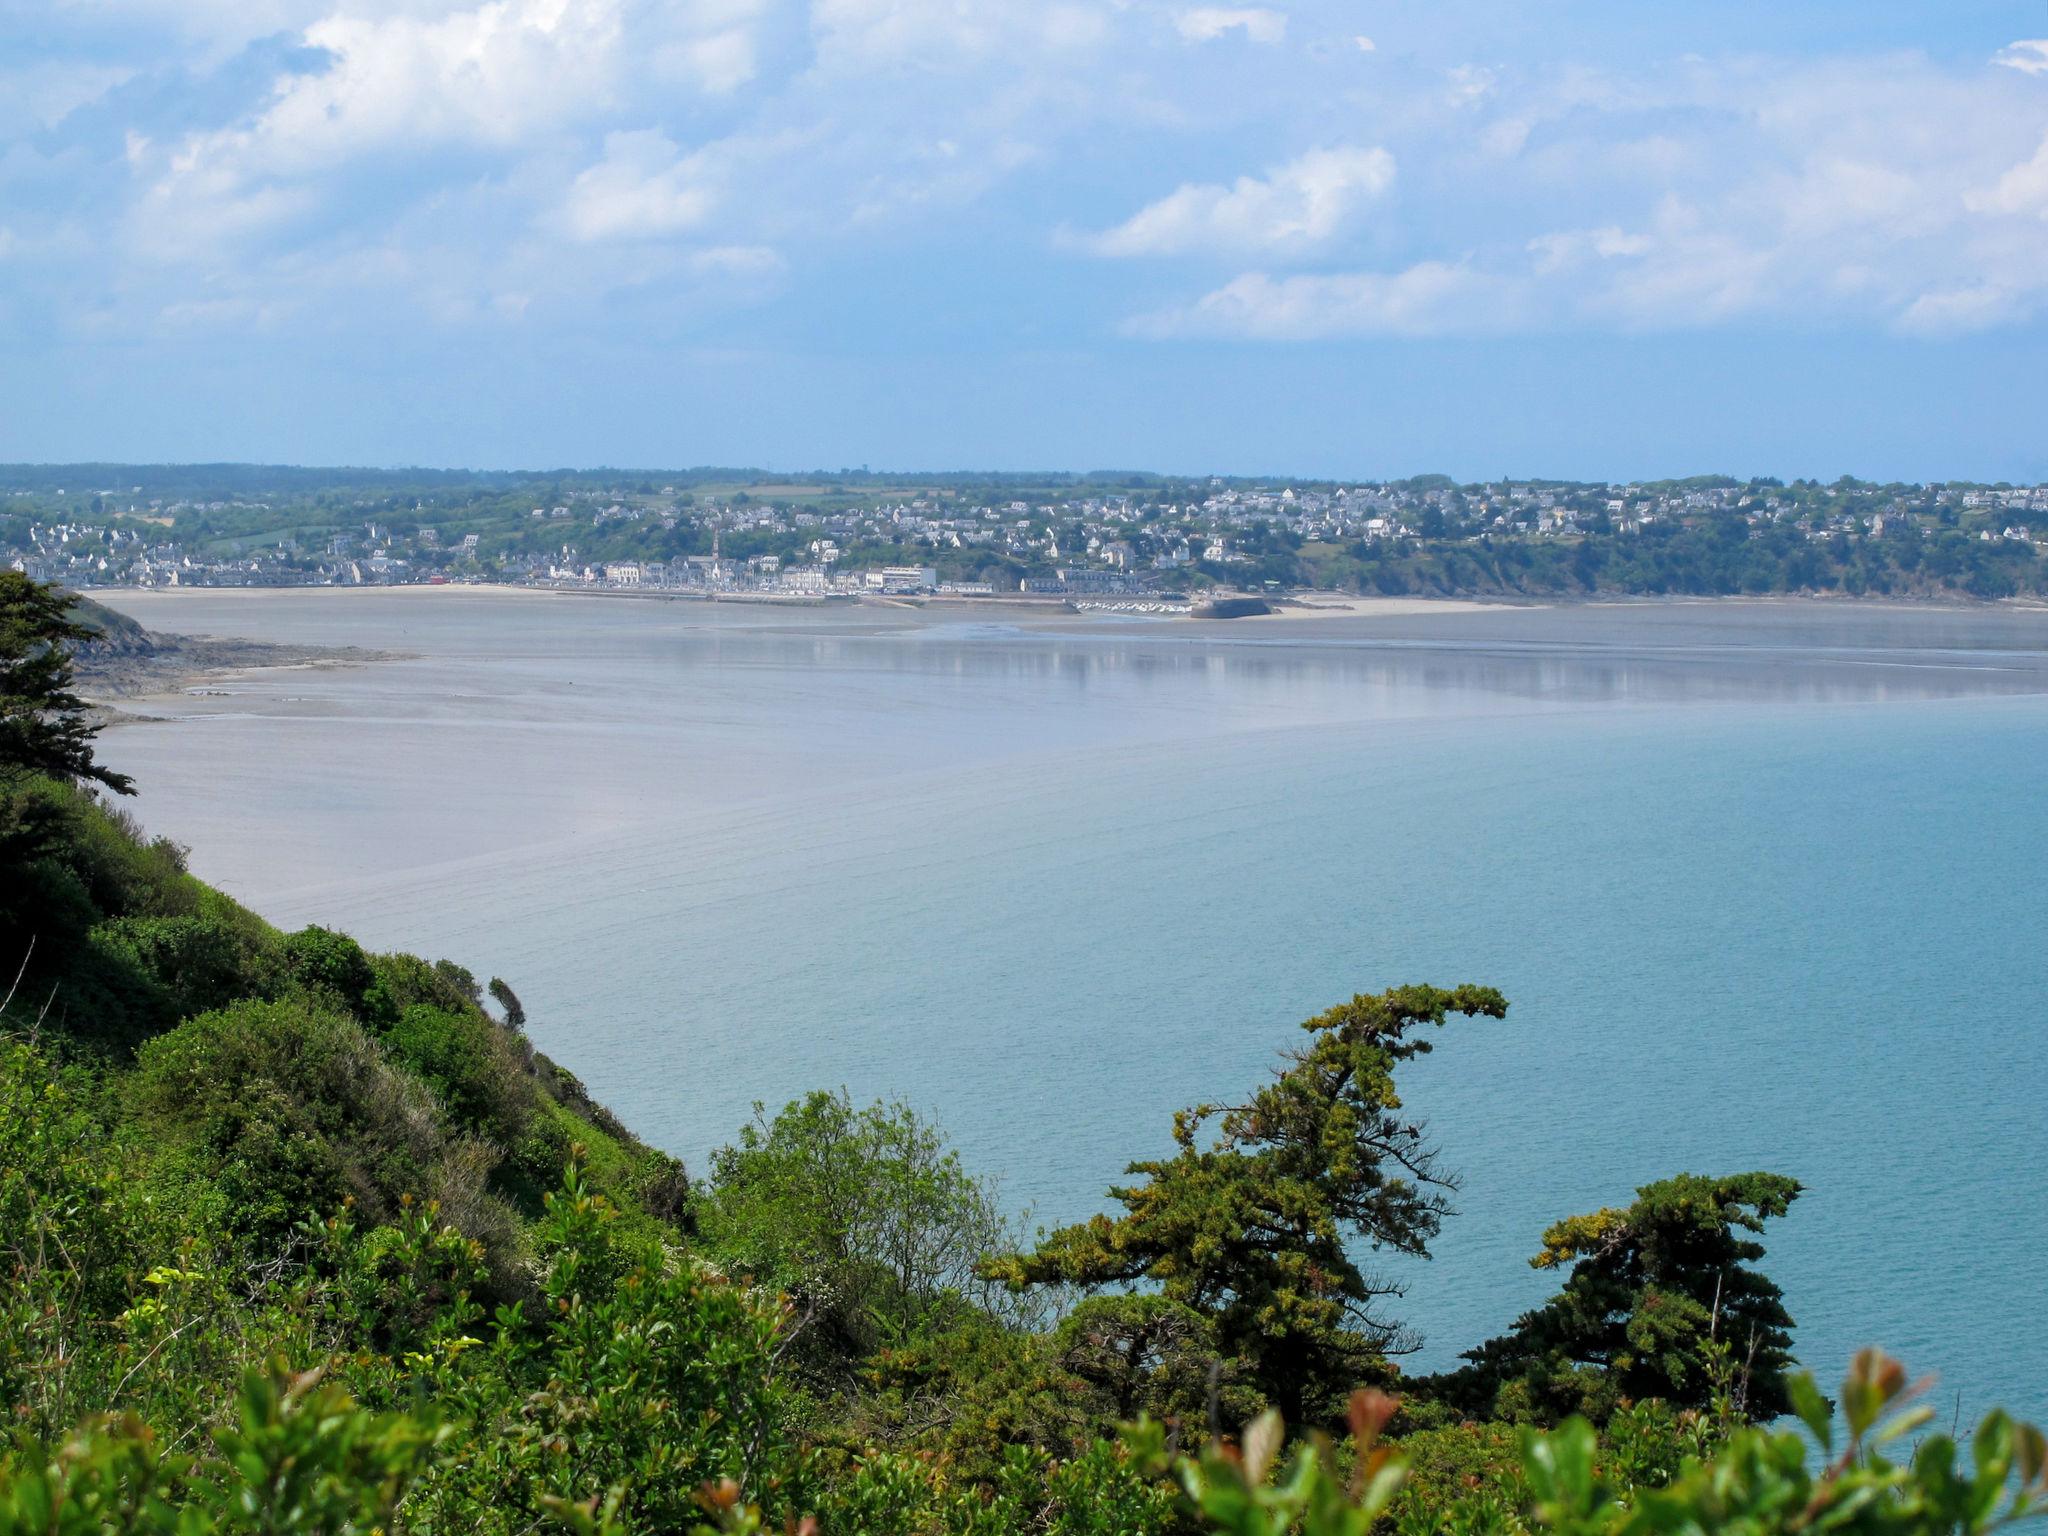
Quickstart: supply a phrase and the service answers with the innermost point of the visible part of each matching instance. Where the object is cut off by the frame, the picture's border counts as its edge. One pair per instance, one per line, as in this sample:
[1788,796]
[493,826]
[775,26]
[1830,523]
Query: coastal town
[1140,542]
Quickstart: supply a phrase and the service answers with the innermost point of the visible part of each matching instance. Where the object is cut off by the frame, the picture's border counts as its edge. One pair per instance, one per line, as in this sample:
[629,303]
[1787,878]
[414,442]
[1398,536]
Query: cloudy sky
[1593,237]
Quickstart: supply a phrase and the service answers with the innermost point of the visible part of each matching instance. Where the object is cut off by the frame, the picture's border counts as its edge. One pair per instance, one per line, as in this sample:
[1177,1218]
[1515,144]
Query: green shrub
[648,1378]
[471,1066]
[74,1240]
[334,968]
[67,864]
[409,982]
[864,1215]
[300,1459]
[289,1109]
[198,963]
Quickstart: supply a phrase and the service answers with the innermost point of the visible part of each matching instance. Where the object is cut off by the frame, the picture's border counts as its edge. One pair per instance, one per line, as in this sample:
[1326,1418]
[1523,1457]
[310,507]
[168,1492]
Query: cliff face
[116,635]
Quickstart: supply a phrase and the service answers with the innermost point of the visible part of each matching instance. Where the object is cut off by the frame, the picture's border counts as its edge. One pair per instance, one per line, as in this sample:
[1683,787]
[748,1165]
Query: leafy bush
[74,1240]
[334,968]
[301,1459]
[864,1216]
[408,981]
[67,864]
[289,1110]
[649,1378]
[198,963]
[1759,1482]
[468,1063]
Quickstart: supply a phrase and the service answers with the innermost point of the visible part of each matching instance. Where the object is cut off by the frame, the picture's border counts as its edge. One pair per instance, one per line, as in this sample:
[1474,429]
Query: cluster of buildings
[762,574]
[1065,542]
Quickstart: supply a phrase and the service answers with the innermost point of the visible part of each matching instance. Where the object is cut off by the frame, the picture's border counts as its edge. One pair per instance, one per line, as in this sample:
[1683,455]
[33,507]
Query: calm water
[1762,883]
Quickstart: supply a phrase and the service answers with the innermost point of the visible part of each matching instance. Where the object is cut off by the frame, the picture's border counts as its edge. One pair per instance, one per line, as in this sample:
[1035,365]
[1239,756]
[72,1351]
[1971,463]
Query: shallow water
[1761,881]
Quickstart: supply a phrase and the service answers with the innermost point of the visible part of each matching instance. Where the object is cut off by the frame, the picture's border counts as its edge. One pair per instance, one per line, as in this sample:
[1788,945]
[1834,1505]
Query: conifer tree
[44,726]
[1662,1301]
[1255,1225]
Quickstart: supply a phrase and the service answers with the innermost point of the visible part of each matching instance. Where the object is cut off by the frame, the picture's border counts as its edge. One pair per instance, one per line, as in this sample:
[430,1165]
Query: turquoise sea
[1763,883]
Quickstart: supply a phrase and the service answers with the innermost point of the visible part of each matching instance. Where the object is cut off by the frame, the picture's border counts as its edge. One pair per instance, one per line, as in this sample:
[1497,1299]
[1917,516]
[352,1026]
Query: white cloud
[1885,192]
[721,62]
[1959,311]
[2029,56]
[1428,298]
[643,187]
[1471,83]
[485,75]
[1570,248]
[1364,44]
[496,157]
[1297,205]
[490,75]
[1207,23]
[2021,190]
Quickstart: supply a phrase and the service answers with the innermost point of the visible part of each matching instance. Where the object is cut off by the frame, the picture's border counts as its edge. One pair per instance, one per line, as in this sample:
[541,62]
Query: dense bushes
[462,1058]
[289,1110]
[194,963]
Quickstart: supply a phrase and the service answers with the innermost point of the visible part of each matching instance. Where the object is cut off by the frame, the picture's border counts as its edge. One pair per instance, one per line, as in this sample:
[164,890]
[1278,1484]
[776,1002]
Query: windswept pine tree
[1256,1227]
[1662,1301]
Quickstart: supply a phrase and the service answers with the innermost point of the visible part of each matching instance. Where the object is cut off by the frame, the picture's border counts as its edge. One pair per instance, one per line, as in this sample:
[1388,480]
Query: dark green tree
[1254,1226]
[1661,1302]
[507,999]
[44,727]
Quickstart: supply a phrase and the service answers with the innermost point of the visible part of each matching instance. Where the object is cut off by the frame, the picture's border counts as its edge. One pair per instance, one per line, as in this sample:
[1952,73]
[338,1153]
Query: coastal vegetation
[296,1237]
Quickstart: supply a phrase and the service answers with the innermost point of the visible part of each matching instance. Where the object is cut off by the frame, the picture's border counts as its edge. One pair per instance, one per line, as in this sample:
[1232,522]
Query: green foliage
[1254,1229]
[269,1269]
[649,1377]
[863,1216]
[289,1109]
[1150,1356]
[507,999]
[466,1061]
[1476,1467]
[73,1240]
[1764,1481]
[1229,1486]
[406,981]
[80,864]
[1653,1289]
[1107,1488]
[124,873]
[300,1458]
[45,731]
[195,963]
[334,967]
[1567,1482]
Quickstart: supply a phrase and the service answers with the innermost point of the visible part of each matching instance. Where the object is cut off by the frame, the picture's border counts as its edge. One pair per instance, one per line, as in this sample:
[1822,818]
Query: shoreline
[1297,607]
[183,664]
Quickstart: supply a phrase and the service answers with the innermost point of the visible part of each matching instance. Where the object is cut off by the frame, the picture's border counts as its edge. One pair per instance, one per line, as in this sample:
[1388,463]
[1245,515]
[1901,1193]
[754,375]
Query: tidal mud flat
[128,661]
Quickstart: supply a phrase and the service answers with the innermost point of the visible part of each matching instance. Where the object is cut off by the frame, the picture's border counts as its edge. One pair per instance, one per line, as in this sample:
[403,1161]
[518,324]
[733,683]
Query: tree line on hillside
[300,1238]
[1723,556]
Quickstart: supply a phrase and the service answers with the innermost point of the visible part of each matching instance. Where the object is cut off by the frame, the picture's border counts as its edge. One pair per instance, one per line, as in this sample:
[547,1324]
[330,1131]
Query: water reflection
[1407,675]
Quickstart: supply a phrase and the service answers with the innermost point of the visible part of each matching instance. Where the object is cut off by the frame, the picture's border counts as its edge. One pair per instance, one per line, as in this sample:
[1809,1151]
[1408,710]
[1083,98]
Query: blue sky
[1363,238]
